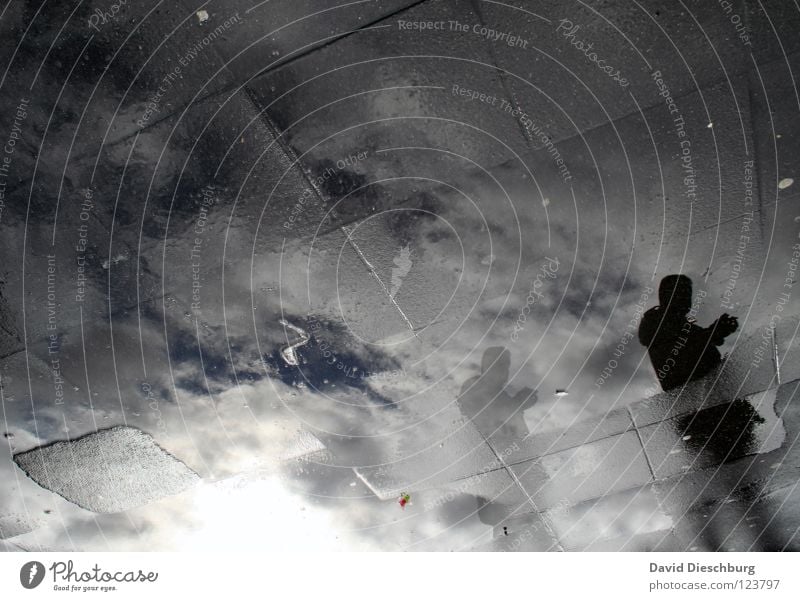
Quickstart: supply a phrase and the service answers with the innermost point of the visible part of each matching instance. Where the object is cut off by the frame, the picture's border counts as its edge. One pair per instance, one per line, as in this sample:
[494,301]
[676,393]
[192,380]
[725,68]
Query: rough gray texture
[108,471]
[12,525]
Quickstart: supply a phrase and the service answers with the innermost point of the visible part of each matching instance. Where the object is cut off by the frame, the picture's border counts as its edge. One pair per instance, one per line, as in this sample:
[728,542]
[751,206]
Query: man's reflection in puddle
[680,350]
[497,415]
[483,399]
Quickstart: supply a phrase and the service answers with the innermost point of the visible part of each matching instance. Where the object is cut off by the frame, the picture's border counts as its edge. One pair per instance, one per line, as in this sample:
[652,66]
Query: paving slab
[593,470]
[109,471]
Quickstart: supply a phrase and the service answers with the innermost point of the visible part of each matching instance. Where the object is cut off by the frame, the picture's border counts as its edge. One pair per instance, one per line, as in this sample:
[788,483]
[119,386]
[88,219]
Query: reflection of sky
[231,405]
[385,403]
[215,391]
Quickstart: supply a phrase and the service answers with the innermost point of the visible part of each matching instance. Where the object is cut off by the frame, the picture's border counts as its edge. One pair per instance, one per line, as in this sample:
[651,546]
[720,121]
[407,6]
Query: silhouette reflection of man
[483,399]
[497,415]
[680,350]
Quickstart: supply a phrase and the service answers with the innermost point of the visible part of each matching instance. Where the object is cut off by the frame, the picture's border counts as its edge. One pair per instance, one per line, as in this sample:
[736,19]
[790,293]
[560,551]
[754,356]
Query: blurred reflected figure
[680,350]
[497,416]
[483,399]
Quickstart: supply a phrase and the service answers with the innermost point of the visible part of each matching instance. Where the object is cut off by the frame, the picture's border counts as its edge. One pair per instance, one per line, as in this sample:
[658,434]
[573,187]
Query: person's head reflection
[675,294]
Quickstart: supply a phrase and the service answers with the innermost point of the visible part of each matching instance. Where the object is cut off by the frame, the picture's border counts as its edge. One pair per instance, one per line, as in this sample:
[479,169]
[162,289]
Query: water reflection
[497,415]
[680,350]
[724,432]
[483,399]
[327,360]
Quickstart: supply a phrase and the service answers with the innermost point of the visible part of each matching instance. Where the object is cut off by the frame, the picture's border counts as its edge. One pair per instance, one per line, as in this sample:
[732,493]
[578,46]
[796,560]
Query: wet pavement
[266,273]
